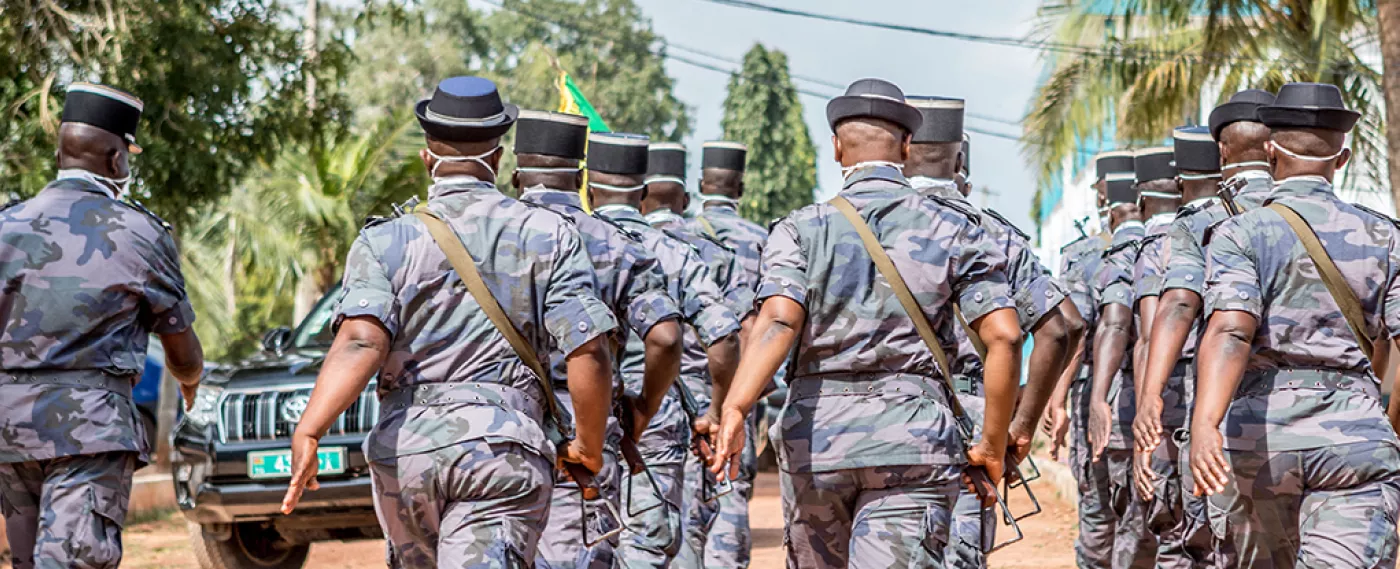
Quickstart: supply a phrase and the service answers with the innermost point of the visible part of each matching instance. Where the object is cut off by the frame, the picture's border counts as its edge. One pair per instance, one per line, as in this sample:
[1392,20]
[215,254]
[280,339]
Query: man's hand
[304,467]
[1019,447]
[189,392]
[1057,428]
[640,420]
[993,462]
[576,452]
[1208,465]
[706,429]
[1143,475]
[1147,426]
[729,441]
[1100,414]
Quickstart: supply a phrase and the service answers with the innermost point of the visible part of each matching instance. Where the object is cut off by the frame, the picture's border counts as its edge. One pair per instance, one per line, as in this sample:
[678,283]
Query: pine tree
[762,111]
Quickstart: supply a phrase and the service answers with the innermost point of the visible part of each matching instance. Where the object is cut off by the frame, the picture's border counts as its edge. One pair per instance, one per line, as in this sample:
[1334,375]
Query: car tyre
[250,546]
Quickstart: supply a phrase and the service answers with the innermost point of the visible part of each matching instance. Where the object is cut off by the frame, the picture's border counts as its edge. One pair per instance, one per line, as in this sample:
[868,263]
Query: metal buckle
[611,509]
[711,489]
[655,490]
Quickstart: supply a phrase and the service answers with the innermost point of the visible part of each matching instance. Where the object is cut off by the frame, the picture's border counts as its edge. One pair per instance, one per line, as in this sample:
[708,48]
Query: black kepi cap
[666,163]
[112,110]
[1152,164]
[1121,188]
[465,109]
[942,119]
[1242,106]
[1195,150]
[723,155]
[873,98]
[618,153]
[551,134]
[1309,105]
[1115,162]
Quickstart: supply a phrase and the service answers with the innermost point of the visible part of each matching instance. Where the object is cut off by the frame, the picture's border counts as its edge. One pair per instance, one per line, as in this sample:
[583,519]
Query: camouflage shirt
[735,282]
[1079,261]
[84,280]
[856,327]
[1114,282]
[534,263]
[702,306]
[745,237]
[628,277]
[1257,265]
[1148,270]
[1184,255]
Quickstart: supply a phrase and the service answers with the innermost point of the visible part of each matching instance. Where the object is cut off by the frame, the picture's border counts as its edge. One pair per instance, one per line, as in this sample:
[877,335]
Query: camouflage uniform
[1093,547]
[1036,295]
[730,544]
[665,445]
[84,280]
[1314,460]
[870,454]
[1185,268]
[462,469]
[1133,546]
[630,281]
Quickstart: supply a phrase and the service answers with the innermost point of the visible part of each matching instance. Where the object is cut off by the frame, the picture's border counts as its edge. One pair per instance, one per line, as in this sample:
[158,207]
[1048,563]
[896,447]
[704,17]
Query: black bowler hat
[666,163]
[1242,106]
[873,98]
[551,134]
[465,109]
[942,119]
[618,153]
[112,110]
[1122,188]
[1195,150]
[1152,164]
[723,155]
[967,156]
[1309,105]
[1115,162]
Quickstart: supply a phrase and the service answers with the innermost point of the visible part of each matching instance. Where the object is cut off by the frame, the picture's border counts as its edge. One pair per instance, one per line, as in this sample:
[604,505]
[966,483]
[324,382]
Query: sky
[997,81]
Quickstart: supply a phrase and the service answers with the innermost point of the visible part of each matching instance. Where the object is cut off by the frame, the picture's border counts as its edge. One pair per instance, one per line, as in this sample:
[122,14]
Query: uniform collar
[620,212]
[1198,202]
[458,184]
[875,172]
[940,187]
[545,196]
[662,216]
[90,178]
[1126,225]
[1299,186]
[717,202]
[1161,219]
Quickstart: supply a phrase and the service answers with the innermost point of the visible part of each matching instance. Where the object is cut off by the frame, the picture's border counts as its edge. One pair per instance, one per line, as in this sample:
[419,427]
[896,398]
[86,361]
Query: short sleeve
[1392,293]
[1115,279]
[740,290]
[166,299]
[1184,263]
[703,306]
[573,312]
[1036,295]
[978,273]
[1147,274]
[366,288]
[783,271]
[1232,278]
[645,295]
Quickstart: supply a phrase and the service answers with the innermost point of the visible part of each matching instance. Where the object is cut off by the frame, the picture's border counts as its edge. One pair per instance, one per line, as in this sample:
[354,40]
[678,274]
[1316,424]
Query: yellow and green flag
[571,100]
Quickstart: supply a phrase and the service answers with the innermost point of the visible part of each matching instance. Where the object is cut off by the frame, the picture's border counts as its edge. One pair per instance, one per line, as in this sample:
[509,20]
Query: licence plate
[278,463]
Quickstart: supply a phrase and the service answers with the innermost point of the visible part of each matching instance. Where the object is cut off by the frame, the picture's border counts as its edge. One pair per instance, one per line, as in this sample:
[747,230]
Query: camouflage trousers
[727,545]
[697,515]
[1134,547]
[67,512]
[573,524]
[1199,544]
[1094,547]
[1166,512]
[877,517]
[1332,507]
[966,544]
[475,504]
[651,533]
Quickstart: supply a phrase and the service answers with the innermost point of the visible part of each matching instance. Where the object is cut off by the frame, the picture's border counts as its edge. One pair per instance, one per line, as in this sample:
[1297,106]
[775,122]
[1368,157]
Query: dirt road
[164,544]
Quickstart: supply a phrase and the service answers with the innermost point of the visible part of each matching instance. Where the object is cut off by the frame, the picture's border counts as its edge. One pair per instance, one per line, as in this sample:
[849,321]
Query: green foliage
[762,111]
[223,81]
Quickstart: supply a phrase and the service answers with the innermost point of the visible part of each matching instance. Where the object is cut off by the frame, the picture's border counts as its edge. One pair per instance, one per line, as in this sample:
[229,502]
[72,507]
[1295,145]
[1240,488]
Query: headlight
[206,406]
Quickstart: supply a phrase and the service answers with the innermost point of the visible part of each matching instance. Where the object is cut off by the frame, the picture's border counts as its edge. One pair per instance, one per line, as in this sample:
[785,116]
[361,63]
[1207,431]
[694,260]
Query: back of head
[870,140]
[617,168]
[872,123]
[665,178]
[938,143]
[1308,124]
[86,147]
[722,167]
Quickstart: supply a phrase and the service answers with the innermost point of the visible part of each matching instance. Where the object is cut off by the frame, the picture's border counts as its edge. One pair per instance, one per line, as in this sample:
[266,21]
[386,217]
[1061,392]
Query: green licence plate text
[278,463]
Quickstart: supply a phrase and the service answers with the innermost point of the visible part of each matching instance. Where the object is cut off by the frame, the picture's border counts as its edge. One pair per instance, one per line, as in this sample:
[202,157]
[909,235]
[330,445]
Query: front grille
[258,415]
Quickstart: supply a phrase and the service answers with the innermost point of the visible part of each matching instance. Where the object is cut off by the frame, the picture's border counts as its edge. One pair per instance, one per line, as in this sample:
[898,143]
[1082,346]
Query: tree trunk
[310,47]
[1389,12]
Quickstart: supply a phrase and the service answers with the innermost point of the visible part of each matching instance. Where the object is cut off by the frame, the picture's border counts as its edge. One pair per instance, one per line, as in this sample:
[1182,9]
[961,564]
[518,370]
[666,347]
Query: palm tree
[1145,66]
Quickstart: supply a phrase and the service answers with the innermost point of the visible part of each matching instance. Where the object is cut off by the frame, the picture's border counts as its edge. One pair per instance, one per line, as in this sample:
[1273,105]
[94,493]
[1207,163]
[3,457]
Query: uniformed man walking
[1111,402]
[1169,382]
[85,278]
[616,189]
[1289,438]
[870,451]
[935,158]
[461,458]
[548,151]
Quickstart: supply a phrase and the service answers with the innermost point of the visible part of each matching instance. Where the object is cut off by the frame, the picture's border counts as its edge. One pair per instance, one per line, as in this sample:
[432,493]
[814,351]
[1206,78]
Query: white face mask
[479,159]
[1279,148]
[846,172]
[117,185]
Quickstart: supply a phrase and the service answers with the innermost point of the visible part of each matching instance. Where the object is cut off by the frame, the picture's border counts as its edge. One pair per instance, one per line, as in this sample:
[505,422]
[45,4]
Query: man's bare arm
[776,330]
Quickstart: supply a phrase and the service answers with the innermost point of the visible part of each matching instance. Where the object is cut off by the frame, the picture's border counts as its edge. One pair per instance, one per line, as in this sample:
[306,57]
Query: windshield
[315,329]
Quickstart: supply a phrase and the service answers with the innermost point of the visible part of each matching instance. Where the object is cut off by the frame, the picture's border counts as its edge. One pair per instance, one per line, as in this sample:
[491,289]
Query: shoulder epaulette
[566,219]
[716,241]
[775,223]
[997,216]
[625,231]
[1192,209]
[1392,220]
[1122,247]
[374,220]
[1074,243]
[13,201]
[959,206]
[133,204]
[1147,240]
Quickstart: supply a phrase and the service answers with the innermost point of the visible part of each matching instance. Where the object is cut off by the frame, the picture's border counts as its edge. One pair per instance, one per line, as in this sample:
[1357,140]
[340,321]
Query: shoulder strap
[462,262]
[1331,276]
[709,227]
[901,291]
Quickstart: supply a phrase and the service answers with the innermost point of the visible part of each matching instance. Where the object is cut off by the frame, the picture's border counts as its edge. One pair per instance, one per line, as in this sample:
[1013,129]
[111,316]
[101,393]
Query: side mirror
[277,339]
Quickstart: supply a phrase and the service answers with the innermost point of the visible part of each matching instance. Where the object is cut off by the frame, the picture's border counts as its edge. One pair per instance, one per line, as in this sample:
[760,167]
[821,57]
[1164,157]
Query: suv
[233,459]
